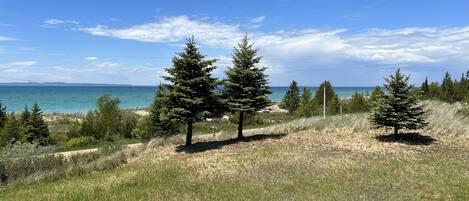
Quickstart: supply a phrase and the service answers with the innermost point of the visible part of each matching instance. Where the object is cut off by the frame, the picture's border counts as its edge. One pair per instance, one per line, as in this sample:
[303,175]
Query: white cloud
[91,58]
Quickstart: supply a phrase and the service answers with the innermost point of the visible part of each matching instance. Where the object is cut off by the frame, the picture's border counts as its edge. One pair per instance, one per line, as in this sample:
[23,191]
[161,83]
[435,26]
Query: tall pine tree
[398,108]
[246,86]
[291,100]
[191,95]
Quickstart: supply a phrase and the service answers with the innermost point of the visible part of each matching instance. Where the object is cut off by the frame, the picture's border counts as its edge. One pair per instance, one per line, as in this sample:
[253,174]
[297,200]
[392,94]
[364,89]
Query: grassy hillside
[309,159]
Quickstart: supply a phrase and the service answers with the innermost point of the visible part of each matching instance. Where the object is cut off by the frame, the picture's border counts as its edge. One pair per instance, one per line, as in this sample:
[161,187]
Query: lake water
[69,99]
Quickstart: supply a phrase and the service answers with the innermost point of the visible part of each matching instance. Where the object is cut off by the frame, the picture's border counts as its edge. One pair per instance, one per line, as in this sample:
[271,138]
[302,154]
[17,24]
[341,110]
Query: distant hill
[58,84]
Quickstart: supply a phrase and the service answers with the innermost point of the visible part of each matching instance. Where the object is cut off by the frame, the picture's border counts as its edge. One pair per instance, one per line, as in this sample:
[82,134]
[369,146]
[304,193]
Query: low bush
[80,141]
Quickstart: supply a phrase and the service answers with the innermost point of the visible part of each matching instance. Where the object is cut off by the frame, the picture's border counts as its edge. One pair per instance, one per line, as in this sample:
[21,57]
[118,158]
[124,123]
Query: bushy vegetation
[107,122]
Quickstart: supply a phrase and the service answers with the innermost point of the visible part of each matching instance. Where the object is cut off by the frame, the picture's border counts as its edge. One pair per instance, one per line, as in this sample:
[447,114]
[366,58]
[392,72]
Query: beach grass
[337,158]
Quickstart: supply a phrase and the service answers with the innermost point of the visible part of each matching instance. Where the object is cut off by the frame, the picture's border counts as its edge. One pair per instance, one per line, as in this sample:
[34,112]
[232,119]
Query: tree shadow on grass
[407,138]
[205,146]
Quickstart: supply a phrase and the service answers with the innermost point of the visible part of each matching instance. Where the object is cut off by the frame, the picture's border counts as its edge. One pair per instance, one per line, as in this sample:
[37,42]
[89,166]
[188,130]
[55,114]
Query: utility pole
[324,103]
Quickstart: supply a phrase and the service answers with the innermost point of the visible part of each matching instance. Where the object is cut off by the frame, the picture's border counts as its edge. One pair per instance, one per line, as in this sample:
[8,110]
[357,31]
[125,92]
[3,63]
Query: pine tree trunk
[240,124]
[396,129]
[189,132]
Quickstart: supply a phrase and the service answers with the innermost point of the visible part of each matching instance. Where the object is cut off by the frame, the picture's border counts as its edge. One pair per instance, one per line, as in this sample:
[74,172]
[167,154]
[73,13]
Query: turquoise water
[69,99]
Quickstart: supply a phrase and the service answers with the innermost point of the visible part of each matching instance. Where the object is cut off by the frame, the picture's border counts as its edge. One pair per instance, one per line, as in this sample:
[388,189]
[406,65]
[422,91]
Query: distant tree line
[449,90]
[305,105]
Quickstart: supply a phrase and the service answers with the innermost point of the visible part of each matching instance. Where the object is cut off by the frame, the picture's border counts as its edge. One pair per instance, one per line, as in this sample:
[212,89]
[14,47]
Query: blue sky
[351,43]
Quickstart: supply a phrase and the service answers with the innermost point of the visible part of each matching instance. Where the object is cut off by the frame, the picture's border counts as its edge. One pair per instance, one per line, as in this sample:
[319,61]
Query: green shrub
[80,141]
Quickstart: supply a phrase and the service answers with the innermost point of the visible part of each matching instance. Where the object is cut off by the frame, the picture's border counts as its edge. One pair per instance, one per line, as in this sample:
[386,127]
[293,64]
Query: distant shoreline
[59,84]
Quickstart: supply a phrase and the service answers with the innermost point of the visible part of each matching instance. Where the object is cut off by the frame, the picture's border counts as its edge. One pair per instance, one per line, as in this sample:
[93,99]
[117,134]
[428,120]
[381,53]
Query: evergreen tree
[246,86]
[424,89]
[398,109]
[358,103]
[434,91]
[38,130]
[305,108]
[291,100]
[10,133]
[158,122]
[332,100]
[191,95]
[447,88]
[3,115]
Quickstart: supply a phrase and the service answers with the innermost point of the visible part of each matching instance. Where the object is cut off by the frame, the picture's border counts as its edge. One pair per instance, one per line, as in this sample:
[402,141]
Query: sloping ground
[331,159]
[332,164]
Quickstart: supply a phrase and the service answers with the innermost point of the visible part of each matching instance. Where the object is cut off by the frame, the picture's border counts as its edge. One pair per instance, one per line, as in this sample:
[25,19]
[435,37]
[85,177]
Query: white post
[324,103]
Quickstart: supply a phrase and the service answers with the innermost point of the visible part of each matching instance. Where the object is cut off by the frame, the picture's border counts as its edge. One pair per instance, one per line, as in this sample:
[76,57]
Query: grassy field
[339,158]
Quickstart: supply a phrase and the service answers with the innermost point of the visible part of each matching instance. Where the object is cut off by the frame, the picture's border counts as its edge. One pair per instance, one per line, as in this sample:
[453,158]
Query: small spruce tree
[246,86]
[332,100]
[447,89]
[38,131]
[424,89]
[192,96]
[158,122]
[3,115]
[291,100]
[398,108]
[305,108]
[10,133]
[24,124]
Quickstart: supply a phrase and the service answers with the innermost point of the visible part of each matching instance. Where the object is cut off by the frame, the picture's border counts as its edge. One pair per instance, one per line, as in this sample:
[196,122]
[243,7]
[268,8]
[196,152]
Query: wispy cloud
[4,38]
[258,19]
[22,63]
[54,22]
[393,46]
